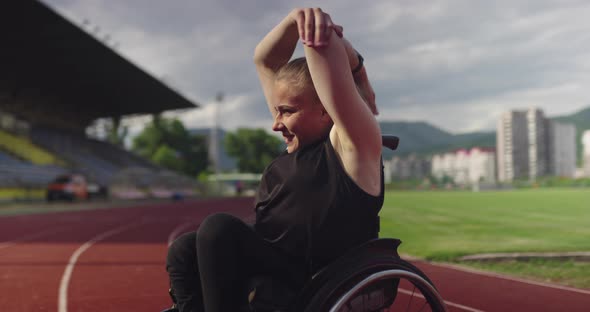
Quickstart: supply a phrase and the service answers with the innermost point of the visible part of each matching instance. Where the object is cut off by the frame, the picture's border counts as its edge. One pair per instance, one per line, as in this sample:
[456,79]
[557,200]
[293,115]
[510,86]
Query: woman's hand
[361,79]
[365,88]
[314,26]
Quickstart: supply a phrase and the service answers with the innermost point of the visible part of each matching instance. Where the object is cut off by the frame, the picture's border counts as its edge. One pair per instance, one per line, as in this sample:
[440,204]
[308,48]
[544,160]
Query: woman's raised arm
[355,135]
[274,51]
[276,48]
[354,121]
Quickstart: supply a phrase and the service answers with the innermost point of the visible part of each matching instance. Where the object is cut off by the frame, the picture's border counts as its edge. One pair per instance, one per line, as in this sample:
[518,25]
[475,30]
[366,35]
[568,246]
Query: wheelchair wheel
[386,285]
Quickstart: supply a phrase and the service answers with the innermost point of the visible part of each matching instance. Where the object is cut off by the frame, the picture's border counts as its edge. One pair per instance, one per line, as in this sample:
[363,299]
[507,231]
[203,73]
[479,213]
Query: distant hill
[581,119]
[423,138]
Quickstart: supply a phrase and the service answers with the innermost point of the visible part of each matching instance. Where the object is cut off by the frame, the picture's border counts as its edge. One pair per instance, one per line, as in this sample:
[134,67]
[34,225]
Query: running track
[113,260]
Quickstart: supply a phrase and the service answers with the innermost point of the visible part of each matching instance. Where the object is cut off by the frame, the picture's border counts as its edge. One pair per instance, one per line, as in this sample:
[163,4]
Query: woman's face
[299,118]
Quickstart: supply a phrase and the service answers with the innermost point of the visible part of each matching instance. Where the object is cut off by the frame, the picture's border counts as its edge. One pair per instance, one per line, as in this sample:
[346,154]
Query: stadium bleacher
[99,161]
[28,175]
[125,173]
[6,159]
[24,148]
[54,93]
[19,173]
[128,175]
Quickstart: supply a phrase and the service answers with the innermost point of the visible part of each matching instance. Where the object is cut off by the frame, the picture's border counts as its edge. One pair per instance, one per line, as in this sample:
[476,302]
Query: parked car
[68,187]
[96,191]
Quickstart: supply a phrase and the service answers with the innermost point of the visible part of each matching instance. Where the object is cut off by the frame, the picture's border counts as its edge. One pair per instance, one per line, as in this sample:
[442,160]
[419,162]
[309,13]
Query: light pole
[214,142]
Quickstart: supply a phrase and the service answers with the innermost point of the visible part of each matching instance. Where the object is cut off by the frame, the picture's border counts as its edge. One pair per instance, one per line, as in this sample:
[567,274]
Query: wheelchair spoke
[411,297]
[423,305]
[388,290]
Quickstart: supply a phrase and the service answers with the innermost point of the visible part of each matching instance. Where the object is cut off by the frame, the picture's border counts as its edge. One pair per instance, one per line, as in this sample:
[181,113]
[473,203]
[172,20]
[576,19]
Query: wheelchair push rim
[428,291]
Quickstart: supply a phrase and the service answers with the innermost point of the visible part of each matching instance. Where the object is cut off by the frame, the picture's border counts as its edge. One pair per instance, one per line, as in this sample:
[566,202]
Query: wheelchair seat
[268,294]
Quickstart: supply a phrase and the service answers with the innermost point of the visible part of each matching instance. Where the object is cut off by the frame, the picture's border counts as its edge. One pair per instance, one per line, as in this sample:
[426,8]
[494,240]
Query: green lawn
[570,273]
[443,225]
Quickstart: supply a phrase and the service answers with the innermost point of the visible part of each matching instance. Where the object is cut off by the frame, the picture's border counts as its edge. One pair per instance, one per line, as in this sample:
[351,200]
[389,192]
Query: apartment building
[586,146]
[562,149]
[512,146]
[531,146]
[466,166]
[482,165]
[403,168]
[538,143]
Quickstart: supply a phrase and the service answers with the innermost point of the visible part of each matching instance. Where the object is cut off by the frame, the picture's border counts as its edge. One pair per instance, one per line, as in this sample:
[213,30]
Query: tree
[254,149]
[168,158]
[117,133]
[167,143]
[109,129]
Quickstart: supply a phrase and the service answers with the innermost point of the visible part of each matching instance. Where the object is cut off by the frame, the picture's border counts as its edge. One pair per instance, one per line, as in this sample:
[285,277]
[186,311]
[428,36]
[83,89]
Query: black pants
[208,269]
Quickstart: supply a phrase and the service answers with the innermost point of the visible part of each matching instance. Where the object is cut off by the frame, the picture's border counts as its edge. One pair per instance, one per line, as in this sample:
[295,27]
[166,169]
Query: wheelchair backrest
[390,141]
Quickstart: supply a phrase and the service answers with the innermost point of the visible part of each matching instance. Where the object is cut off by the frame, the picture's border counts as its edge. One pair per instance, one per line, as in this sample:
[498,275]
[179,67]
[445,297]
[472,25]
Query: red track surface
[124,269]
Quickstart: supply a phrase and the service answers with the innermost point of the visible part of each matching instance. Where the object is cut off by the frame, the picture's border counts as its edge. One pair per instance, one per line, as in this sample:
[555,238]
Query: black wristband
[360,65]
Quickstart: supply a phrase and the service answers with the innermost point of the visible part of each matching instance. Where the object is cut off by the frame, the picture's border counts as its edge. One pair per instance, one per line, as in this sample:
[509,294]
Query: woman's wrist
[359,64]
[355,60]
[277,47]
[360,76]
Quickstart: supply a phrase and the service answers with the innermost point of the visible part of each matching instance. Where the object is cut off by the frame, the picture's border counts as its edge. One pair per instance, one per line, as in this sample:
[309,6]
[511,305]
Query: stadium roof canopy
[52,72]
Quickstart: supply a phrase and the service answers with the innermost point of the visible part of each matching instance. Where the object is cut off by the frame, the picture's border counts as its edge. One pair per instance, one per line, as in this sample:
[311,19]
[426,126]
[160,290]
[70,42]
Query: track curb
[525,256]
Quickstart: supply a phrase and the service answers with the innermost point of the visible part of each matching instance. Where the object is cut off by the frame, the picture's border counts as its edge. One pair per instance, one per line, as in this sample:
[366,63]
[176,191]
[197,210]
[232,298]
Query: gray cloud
[456,64]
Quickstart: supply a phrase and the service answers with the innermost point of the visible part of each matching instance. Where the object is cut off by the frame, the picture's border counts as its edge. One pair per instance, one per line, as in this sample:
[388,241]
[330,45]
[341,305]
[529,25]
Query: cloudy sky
[455,64]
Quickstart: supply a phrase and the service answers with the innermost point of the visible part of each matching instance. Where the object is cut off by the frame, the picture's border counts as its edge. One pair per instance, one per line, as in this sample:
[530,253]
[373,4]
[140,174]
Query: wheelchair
[369,278]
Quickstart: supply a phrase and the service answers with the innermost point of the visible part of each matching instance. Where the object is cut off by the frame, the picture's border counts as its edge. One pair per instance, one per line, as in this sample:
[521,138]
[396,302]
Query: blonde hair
[296,74]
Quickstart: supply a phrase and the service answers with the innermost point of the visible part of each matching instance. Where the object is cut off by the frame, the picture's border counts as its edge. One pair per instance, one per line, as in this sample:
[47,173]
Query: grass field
[442,226]
[570,273]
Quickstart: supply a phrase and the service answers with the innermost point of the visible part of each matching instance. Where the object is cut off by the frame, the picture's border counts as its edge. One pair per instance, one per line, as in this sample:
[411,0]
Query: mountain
[581,119]
[423,138]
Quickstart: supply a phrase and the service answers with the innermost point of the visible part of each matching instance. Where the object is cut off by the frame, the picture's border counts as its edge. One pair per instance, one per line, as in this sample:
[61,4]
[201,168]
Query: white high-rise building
[531,146]
[562,149]
[537,143]
[586,144]
[387,171]
[443,165]
[410,167]
[512,146]
[474,166]
[482,165]
[437,170]
[461,175]
[448,164]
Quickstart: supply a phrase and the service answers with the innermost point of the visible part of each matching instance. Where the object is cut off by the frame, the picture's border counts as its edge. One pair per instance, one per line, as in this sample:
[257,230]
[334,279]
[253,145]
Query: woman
[316,200]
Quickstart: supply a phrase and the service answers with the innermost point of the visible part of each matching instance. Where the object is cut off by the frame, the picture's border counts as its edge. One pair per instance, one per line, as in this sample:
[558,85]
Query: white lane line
[178,230]
[30,237]
[62,301]
[515,279]
[448,303]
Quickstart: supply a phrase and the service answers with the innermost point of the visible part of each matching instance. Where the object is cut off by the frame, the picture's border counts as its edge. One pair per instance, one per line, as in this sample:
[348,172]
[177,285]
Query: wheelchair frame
[373,262]
[334,287]
[432,296]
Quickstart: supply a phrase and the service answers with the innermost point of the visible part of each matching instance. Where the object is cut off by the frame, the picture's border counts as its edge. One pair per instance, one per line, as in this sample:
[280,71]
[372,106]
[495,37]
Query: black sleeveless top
[309,207]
